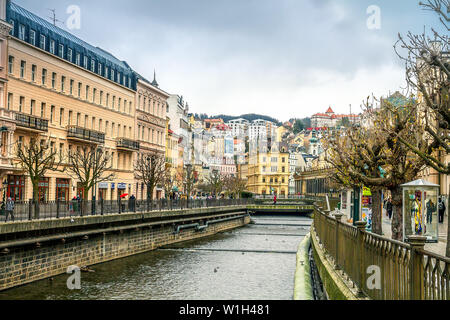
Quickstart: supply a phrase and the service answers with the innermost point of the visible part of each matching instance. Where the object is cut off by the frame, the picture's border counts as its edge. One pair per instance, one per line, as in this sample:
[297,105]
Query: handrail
[383,268]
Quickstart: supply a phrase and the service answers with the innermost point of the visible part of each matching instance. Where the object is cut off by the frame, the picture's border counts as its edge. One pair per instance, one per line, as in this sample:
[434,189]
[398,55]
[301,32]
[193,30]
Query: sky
[281,58]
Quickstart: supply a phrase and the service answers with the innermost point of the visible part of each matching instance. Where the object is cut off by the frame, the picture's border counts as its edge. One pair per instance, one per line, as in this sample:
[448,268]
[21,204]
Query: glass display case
[420,214]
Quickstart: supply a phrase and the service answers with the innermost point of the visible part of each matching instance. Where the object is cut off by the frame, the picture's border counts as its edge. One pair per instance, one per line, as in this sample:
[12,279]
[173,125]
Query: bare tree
[150,169]
[186,177]
[234,185]
[374,157]
[427,61]
[90,166]
[168,182]
[37,159]
[215,182]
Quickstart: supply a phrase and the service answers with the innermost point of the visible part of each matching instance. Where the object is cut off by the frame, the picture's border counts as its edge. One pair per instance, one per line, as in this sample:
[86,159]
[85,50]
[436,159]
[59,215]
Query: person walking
[389,208]
[275,199]
[9,209]
[132,203]
[441,207]
[431,208]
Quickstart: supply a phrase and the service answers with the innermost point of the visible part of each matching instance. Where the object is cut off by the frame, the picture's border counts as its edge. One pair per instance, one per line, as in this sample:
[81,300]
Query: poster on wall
[366,208]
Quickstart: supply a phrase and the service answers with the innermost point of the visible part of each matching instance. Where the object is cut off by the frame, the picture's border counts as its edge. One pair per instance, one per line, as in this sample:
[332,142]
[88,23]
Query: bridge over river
[256,261]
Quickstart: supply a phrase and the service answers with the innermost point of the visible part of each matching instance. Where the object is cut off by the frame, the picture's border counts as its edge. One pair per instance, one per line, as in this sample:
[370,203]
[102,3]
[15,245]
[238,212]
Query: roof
[41,26]
[330,110]
[419,183]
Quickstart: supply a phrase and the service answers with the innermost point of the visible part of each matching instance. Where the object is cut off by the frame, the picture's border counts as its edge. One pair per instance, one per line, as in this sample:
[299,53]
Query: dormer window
[22,32]
[52,46]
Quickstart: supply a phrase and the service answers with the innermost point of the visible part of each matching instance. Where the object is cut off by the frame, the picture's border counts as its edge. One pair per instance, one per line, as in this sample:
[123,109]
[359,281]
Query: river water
[255,262]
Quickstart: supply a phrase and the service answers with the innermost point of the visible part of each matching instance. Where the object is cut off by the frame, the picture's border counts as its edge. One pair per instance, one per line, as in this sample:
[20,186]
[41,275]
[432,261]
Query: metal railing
[407,271]
[30,122]
[123,143]
[85,134]
[28,210]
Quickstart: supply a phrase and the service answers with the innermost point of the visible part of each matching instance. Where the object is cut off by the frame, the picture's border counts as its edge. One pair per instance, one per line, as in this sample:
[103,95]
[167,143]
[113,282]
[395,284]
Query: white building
[177,112]
[239,127]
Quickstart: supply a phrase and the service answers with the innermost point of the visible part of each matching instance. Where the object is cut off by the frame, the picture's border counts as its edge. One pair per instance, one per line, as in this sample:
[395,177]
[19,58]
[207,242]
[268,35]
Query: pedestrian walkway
[438,248]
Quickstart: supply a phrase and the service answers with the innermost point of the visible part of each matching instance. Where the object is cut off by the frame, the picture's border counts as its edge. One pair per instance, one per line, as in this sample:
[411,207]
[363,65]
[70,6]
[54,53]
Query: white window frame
[33,37]
[22,32]
[42,41]
[52,46]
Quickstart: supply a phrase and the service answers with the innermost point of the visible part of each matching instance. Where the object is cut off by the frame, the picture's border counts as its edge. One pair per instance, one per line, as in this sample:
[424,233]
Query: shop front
[103,190]
[62,189]
[16,188]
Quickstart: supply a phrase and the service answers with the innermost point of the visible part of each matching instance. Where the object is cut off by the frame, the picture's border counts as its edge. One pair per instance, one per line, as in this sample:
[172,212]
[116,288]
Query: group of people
[431,207]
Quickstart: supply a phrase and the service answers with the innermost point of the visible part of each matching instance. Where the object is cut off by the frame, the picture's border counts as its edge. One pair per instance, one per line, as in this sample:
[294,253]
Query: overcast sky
[282,58]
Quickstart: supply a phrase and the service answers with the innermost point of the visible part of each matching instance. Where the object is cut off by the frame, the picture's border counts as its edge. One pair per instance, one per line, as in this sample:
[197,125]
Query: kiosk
[420,214]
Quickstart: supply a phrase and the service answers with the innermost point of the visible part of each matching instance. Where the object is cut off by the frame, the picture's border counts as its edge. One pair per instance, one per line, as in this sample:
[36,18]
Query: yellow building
[268,172]
[63,90]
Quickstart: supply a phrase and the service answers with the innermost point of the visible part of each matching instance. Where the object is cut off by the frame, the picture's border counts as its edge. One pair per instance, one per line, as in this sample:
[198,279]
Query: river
[255,262]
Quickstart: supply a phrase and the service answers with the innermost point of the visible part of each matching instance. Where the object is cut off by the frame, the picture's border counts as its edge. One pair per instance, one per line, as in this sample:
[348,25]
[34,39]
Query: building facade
[72,95]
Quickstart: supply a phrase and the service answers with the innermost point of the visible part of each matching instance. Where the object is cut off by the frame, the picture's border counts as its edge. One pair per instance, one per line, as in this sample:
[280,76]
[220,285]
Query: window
[120,102]
[33,37]
[78,59]
[92,65]
[106,72]
[32,106]
[61,51]
[52,46]
[94,93]
[10,64]
[86,118]
[53,80]
[21,103]
[42,42]
[69,54]
[23,66]
[112,74]
[52,112]
[44,77]
[87,92]
[21,32]
[12,29]
[63,83]
[43,107]
[93,123]
[101,97]
[33,72]
[78,119]
[107,99]
[85,62]
[114,102]
[10,100]
[106,127]
[70,117]
[61,116]
[79,89]
[71,87]
[100,125]
[100,69]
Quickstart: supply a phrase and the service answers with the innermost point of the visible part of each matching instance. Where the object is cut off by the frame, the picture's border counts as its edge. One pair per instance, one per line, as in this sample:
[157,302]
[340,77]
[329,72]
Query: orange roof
[330,110]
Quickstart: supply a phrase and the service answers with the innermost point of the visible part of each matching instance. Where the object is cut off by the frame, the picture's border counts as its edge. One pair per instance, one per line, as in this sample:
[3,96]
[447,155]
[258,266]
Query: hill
[250,117]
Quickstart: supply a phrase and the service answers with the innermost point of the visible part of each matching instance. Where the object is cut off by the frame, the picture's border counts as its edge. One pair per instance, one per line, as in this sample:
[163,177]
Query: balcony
[85,135]
[127,144]
[31,123]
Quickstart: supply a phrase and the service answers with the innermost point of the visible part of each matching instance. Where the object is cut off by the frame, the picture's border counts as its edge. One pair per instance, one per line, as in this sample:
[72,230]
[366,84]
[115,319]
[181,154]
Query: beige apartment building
[151,125]
[62,90]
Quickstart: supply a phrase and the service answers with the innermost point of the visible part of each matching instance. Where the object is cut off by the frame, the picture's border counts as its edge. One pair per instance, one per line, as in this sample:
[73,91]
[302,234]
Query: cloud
[285,58]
